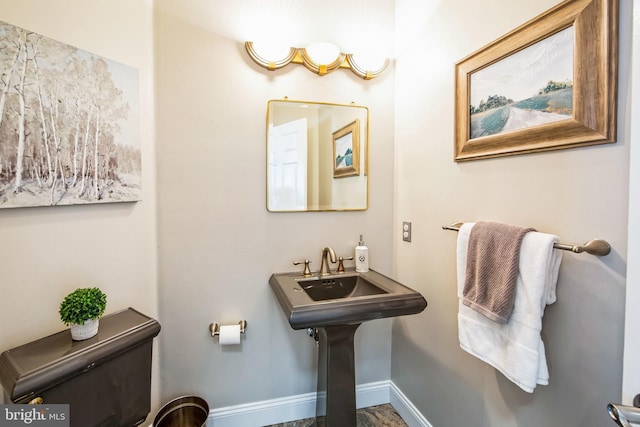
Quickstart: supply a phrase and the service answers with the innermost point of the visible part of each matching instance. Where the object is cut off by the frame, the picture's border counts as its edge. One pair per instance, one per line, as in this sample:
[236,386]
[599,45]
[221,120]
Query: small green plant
[81,305]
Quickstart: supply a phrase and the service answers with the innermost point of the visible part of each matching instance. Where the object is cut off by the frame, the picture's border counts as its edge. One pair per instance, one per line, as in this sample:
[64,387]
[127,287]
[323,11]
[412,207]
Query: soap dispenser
[362,257]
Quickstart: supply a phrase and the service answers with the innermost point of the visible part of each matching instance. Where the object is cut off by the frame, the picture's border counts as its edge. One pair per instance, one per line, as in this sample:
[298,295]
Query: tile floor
[373,416]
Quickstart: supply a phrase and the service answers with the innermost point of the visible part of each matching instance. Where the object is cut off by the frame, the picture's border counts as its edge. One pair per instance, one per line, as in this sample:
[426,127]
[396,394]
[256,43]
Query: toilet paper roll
[229,334]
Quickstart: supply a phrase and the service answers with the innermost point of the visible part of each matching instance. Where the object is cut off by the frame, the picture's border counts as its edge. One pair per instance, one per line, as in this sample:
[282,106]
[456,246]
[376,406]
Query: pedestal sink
[336,305]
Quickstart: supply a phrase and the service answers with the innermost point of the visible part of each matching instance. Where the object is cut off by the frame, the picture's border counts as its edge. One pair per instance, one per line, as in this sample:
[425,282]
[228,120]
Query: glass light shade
[271,50]
[369,61]
[323,53]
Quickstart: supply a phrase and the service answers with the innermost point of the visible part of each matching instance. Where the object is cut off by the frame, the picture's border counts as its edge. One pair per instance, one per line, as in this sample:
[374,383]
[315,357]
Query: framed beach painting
[346,150]
[549,84]
[69,124]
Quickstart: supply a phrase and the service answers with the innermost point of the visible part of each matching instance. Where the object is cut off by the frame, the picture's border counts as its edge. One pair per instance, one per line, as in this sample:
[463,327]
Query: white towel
[515,348]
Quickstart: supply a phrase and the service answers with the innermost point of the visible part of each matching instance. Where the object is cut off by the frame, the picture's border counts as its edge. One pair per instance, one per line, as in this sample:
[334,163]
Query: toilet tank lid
[40,364]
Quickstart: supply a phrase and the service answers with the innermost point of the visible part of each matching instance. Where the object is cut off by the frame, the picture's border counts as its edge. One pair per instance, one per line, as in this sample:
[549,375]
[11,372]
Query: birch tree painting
[69,126]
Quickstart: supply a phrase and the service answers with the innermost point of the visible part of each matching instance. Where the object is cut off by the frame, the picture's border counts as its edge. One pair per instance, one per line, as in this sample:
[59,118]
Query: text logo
[34,415]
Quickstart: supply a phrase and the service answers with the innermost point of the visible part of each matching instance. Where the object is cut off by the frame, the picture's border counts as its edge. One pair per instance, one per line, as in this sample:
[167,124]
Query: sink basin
[338,287]
[342,299]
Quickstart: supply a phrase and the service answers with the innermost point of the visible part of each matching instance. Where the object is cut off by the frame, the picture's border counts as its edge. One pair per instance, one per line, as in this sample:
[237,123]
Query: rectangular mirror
[317,156]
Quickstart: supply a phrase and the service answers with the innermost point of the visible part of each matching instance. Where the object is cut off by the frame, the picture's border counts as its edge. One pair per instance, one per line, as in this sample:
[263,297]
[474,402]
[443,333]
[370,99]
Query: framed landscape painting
[346,150]
[69,124]
[549,84]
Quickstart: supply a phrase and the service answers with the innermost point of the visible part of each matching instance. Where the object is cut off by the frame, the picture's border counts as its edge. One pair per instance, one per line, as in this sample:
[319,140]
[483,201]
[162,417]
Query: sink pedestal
[336,401]
[336,305]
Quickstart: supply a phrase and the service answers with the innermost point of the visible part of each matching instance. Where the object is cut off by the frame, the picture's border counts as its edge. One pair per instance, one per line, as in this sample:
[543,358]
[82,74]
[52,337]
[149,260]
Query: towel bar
[594,247]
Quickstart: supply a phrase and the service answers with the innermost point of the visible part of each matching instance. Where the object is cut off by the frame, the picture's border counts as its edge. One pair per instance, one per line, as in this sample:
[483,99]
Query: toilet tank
[106,380]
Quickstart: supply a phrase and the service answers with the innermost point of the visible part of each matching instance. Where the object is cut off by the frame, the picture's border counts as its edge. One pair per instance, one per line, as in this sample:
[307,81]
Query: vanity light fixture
[320,58]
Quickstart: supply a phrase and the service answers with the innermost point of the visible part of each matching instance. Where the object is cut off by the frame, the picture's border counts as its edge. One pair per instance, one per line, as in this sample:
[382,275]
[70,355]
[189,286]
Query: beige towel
[492,269]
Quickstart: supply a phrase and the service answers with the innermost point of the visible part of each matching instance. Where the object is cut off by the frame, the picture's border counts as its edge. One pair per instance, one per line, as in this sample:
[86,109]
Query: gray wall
[578,194]
[218,244]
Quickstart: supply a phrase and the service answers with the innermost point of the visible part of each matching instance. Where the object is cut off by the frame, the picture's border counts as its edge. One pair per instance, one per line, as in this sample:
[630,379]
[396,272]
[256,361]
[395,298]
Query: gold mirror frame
[328,184]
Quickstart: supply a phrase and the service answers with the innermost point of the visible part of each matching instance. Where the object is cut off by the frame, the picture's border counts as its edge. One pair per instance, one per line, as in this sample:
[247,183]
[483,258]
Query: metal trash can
[185,411]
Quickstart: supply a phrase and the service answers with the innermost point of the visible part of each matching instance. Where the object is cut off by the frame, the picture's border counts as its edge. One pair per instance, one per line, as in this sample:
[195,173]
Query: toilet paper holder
[215,327]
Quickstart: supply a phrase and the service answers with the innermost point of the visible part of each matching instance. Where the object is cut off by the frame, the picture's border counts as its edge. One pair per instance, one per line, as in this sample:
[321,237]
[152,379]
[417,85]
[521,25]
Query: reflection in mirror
[317,156]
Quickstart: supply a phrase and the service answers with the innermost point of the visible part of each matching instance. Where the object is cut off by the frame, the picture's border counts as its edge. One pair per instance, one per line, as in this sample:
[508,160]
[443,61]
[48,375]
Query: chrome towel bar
[594,247]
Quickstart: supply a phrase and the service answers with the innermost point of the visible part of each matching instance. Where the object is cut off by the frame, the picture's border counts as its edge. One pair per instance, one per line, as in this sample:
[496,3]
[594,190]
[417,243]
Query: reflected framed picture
[549,84]
[346,150]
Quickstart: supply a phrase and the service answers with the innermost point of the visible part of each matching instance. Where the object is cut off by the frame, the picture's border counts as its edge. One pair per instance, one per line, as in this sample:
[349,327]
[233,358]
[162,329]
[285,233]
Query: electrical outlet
[406,231]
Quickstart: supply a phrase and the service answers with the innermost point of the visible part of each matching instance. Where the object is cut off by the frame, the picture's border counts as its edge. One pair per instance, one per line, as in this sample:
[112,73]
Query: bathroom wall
[218,244]
[578,194]
[631,369]
[47,252]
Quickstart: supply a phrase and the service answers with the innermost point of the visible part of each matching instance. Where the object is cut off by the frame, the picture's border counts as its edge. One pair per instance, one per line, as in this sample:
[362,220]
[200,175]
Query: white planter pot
[85,331]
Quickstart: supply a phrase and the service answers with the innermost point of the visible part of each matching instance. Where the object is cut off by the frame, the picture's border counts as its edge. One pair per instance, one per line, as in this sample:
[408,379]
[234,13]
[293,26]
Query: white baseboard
[265,412]
[406,409]
[302,406]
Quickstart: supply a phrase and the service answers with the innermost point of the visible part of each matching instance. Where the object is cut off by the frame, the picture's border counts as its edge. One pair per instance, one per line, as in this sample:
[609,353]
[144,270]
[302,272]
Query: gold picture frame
[346,150]
[589,98]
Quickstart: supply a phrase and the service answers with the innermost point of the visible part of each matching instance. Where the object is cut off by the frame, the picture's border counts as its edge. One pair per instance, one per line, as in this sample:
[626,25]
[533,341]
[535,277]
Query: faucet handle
[341,264]
[307,270]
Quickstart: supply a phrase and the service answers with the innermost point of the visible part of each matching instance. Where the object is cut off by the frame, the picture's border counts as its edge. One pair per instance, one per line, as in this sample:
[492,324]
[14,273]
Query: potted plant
[81,310]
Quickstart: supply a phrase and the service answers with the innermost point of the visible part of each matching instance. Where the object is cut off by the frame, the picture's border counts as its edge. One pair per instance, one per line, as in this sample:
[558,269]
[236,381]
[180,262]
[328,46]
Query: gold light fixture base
[270,65]
[301,56]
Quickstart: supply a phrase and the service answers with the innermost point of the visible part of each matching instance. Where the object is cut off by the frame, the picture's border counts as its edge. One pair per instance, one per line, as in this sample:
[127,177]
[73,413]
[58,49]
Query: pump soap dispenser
[362,257]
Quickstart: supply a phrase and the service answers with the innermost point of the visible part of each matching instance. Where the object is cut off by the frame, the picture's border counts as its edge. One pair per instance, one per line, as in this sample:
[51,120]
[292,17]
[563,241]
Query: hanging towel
[492,269]
[515,348]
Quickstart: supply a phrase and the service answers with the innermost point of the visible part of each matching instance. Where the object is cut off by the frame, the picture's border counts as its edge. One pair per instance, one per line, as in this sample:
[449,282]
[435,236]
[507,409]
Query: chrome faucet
[324,262]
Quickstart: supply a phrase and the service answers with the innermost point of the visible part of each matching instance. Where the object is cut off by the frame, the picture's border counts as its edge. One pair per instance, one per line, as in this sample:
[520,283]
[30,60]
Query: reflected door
[288,166]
